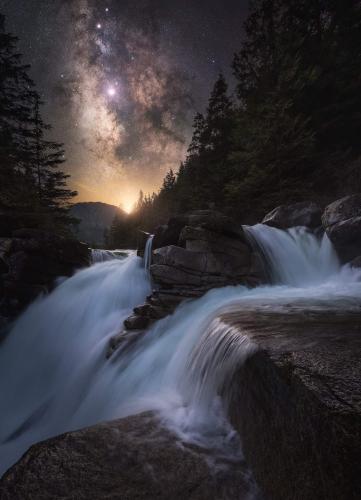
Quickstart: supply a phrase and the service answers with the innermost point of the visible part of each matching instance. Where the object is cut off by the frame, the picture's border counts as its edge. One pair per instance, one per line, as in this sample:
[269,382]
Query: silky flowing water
[54,375]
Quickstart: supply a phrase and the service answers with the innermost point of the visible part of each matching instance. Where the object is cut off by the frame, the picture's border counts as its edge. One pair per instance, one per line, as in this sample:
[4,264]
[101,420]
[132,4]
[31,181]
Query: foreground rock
[193,254]
[131,458]
[306,214]
[296,402]
[342,222]
[30,261]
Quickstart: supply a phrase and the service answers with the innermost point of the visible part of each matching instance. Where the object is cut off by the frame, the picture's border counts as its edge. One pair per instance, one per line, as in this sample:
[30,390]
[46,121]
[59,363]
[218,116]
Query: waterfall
[99,255]
[148,252]
[296,256]
[54,375]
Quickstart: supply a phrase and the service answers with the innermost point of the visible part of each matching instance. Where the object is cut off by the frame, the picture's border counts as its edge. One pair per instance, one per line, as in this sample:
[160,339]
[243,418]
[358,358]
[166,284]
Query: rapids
[54,376]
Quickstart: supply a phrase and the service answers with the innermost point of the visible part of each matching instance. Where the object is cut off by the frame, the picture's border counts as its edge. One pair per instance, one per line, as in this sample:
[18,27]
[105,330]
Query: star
[111,91]
[99,26]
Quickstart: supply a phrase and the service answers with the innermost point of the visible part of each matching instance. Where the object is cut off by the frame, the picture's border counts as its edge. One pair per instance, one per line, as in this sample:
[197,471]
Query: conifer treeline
[291,133]
[30,178]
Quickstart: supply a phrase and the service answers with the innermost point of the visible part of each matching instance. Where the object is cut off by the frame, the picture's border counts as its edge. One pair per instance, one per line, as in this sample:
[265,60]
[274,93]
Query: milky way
[123,80]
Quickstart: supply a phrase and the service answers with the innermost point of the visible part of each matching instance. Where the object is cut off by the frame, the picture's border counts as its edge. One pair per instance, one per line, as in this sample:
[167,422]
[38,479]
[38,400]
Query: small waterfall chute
[148,252]
[296,256]
[100,255]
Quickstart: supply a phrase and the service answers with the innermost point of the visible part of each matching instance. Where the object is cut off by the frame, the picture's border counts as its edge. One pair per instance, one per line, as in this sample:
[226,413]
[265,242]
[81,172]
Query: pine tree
[31,179]
[16,98]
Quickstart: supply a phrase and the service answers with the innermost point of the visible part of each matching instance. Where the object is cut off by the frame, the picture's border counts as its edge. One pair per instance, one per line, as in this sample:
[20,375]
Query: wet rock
[199,251]
[168,275]
[198,239]
[306,214]
[136,322]
[122,342]
[342,222]
[130,458]
[168,234]
[30,261]
[216,222]
[356,262]
[296,401]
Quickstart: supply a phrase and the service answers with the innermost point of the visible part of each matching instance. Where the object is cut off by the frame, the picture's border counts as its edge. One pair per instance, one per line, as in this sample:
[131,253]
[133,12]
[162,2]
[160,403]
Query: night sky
[122,80]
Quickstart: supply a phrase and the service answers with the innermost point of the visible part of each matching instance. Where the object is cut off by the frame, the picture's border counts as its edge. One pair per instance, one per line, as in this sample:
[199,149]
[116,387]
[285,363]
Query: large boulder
[192,254]
[131,458]
[221,263]
[306,214]
[171,233]
[168,234]
[342,222]
[296,401]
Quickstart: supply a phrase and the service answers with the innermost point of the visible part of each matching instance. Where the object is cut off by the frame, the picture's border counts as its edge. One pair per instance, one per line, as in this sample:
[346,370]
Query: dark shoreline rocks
[342,222]
[30,262]
[307,214]
[131,458]
[296,402]
[202,250]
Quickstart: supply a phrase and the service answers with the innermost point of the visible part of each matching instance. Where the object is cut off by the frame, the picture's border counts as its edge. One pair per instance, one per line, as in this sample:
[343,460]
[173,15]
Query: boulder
[356,262]
[168,234]
[204,262]
[198,239]
[342,222]
[192,254]
[306,214]
[216,222]
[296,401]
[136,322]
[130,458]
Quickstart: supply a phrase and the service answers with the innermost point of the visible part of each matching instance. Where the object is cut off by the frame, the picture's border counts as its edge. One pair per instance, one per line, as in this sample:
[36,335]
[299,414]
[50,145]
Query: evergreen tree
[16,98]
[31,179]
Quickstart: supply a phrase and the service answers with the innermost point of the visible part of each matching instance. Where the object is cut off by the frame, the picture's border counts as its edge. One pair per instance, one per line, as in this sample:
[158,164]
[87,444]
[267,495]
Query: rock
[198,239]
[296,401]
[212,220]
[306,214]
[168,234]
[204,262]
[136,322]
[192,254]
[216,222]
[123,341]
[168,275]
[342,222]
[356,262]
[342,209]
[130,458]
[31,260]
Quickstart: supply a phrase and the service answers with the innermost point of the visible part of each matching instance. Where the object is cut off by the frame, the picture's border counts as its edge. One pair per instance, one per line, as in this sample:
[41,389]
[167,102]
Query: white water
[54,376]
[99,255]
[295,257]
[148,251]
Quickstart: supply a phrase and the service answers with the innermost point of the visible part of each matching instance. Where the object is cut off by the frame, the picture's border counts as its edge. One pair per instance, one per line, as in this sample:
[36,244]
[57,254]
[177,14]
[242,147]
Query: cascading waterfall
[54,375]
[294,257]
[148,251]
[99,255]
